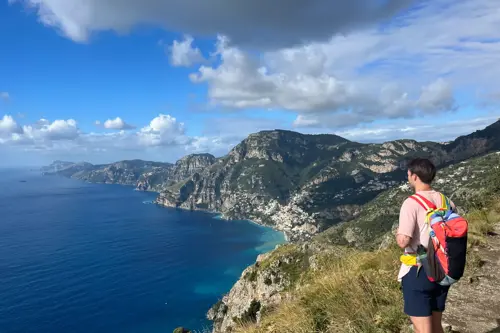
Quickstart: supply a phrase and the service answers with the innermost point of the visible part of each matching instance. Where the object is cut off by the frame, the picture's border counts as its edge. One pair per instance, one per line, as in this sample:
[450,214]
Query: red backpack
[444,256]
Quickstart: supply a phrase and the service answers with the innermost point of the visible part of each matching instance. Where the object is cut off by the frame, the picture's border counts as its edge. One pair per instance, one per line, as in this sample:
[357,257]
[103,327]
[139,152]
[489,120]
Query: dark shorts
[421,296]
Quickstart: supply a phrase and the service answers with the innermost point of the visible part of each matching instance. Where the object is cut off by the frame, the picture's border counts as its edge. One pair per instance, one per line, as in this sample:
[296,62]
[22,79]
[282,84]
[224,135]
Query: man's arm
[407,224]
[403,240]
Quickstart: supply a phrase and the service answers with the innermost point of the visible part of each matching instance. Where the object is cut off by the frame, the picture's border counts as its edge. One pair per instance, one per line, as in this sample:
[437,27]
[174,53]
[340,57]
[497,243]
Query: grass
[289,260]
[358,292]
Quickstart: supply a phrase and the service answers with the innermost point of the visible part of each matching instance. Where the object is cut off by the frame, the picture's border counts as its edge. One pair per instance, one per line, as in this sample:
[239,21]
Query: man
[424,301]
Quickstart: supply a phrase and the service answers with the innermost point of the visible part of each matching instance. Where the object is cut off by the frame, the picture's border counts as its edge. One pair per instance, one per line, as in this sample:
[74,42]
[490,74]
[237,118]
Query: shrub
[358,292]
[251,275]
[250,315]
[181,330]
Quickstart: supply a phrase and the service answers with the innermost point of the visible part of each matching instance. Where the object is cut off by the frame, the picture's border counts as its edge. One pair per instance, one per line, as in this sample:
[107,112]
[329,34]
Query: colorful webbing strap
[445,203]
[424,202]
[429,207]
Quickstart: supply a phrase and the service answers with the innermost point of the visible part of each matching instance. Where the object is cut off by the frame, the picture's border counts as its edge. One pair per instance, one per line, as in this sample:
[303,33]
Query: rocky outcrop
[321,190]
[276,276]
[261,287]
[300,184]
[123,172]
[144,175]
[161,179]
[475,144]
[462,182]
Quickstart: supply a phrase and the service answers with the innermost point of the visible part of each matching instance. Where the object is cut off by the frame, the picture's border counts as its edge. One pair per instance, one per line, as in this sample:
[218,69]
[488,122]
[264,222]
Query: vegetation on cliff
[337,200]
[358,291]
[303,184]
[345,281]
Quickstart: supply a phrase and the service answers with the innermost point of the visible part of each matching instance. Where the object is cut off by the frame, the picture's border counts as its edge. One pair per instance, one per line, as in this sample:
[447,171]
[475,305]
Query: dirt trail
[474,303]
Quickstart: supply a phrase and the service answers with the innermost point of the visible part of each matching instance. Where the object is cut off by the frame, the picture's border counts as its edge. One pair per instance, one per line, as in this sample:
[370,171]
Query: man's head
[421,171]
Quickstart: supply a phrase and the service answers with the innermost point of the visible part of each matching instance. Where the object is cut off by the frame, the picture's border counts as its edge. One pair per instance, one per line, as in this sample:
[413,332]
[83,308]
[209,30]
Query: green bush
[250,315]
[251,276]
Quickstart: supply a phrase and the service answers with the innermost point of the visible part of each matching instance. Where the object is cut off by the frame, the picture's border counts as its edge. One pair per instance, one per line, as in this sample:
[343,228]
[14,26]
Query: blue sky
[103,80]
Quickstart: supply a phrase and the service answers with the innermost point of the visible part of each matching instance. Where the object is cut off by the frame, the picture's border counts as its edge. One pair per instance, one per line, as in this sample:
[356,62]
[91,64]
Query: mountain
[476,144]
[461,182]
[145,175]
[67,169]
[300,184]
[56,166]
[279,277]
[123,172]
[328,194]
[303,184]
[160,179]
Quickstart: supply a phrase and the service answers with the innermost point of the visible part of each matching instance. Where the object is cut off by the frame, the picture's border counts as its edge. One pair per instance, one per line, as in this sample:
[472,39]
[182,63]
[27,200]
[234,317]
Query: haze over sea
[89,258]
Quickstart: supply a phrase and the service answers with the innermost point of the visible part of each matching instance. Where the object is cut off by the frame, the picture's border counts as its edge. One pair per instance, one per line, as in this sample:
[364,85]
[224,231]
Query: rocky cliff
[277,276]
[323,191]
[160,179]
[144,175]
[464,183]
[302,184]
[123,172]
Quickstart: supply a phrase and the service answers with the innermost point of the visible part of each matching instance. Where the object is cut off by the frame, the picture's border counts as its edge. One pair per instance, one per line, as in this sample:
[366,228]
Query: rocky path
[474,304]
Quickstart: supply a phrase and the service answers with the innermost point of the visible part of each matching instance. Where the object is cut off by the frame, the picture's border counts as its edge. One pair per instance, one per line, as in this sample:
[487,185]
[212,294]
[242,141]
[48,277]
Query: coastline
[271,238]
[220,216]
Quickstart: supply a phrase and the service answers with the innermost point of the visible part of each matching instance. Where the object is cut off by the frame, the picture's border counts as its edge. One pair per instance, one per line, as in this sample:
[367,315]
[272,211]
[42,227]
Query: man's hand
[403,240]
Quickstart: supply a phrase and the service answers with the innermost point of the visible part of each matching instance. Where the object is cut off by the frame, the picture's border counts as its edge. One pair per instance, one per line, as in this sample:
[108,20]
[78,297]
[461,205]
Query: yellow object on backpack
[409,259]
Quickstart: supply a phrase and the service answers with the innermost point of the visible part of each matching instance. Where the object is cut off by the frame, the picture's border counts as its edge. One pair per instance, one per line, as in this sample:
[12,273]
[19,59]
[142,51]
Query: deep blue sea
[88,258]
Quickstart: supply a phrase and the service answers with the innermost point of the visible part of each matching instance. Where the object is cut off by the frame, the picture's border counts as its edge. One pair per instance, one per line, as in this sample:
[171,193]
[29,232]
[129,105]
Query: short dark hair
[423,168]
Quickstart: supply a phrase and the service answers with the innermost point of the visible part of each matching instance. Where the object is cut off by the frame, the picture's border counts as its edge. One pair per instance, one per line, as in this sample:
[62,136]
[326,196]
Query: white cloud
[417,64]
[164,133]
[42,122]
[339,68]
[165,137]
[183,54]
[47,132]
[8,127]
[332,67]
[97,123]
[40,135]
[117,124]
[439,131]
[438,96]
[61,130]
[274,24]
[242,82]
[163,130]
[5,96]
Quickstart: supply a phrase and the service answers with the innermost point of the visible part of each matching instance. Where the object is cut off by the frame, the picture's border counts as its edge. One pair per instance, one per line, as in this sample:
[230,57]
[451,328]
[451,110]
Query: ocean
[92,258]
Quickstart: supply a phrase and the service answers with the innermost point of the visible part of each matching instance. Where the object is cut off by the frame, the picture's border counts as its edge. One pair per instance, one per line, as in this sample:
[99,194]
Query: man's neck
[422,187]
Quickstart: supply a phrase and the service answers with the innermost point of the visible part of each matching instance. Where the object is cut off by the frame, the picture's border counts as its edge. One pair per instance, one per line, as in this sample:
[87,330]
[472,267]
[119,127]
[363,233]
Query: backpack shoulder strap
[424,202]
[445,202]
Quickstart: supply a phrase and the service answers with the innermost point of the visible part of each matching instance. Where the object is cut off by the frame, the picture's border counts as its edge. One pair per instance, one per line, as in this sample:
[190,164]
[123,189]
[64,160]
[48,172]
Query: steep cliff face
[123,172]
[475,144]
[277,276]
[145,175]
[160,179]
[262,286]
[302,184]
[462,182]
